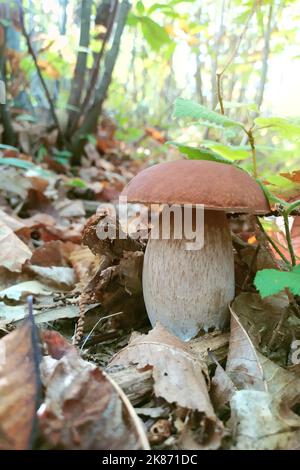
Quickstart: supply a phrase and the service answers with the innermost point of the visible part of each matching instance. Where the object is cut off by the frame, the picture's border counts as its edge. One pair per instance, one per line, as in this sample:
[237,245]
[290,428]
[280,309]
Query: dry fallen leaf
[262,422]
[21,290]
[260,318]
[261,408]
[12,222]
[19,387]
[84,408]
[174,366]
[13,252]
[59,276]
[222,388]
[243,366]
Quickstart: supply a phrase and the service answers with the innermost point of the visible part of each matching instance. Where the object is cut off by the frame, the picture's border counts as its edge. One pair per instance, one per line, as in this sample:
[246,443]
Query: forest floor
[100,366]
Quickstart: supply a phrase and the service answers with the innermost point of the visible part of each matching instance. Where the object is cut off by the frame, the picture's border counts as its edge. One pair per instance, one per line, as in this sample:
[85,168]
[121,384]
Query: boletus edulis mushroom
[189,290]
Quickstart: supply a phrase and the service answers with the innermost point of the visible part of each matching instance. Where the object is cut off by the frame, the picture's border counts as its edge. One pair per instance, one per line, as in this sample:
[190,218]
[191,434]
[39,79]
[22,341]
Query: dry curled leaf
[243,365]
[12,245]
[84,408]
[262,422]
[247,368]
[174,366]
[19,387]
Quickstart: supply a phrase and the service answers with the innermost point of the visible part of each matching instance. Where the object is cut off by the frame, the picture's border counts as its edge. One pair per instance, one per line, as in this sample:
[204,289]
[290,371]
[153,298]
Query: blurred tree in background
[62,59]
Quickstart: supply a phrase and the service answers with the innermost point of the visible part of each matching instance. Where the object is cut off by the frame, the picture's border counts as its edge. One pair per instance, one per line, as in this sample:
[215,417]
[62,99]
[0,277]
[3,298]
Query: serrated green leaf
[195,153]
[283,127]
[235,105]
[271,281]
[193,110]
[228,151]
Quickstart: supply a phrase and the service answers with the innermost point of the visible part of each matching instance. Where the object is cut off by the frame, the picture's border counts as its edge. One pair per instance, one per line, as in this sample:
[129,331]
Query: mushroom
[189,290]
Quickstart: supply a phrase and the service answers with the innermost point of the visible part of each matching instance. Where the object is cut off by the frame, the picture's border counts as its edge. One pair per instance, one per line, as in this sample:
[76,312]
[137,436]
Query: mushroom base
[187,291]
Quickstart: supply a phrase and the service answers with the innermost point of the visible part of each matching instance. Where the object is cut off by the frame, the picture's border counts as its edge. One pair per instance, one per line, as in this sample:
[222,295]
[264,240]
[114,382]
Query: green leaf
[155,35]
[283,127]
[235,105]
[65,154]
[187,108]
[77,183]
[271,281]
[160,6]
[200,153]
[132,20]
[25,165]
[270,196]
[8,147]
[26,117]
[140,7]
[228,151]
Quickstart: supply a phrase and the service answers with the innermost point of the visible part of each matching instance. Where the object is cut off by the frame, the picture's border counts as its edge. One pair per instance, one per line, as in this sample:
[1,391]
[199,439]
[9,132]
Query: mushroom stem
[187,291]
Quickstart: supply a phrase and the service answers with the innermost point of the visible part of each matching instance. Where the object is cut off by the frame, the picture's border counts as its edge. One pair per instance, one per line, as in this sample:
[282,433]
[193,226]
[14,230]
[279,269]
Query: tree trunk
[108,22]
[266,52]
[8,137]
[80,68]
[90,120]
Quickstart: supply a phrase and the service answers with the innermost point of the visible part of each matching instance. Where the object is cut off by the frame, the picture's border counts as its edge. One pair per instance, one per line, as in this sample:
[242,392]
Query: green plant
[267,281]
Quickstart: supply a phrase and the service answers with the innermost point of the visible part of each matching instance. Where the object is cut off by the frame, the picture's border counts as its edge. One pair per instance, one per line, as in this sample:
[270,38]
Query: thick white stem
[187,291]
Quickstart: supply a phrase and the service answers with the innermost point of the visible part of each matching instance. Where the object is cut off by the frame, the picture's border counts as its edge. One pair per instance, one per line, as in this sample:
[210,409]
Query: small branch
[219,92]
[239,40]
[232,56]
[34,57]
[289,238]
[282,256]
[253,151]
[279,325]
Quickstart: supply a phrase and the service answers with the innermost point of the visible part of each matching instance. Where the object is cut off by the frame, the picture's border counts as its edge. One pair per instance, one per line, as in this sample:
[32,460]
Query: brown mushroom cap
[217,186]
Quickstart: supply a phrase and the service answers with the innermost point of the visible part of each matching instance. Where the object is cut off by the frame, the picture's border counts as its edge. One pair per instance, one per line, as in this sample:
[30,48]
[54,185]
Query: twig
[34,57]
[276,331]
[253,151]
[253,260]
[232,56]
[219,92]
[288,237]
[80,323]
[283,257]
[96,324]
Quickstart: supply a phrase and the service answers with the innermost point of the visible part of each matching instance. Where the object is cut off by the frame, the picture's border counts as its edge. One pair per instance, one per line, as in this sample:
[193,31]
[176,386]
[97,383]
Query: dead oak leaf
[13,252]
[260,421]
[247,368]
[19,387]
[84,408]
[179,375]
[243,365]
